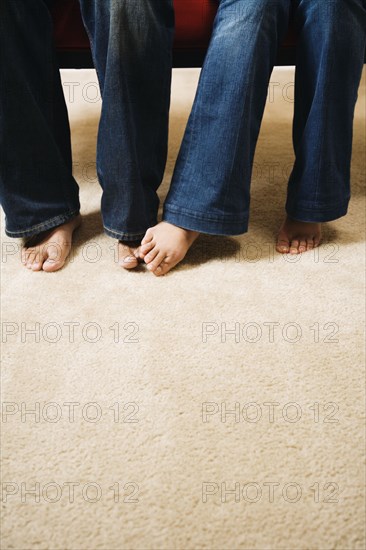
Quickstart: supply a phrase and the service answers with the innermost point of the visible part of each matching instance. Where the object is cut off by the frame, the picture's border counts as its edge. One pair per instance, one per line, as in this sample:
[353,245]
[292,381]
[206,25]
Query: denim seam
[48,224]
[207,227]
[123,235]
[199,216]
[335,206]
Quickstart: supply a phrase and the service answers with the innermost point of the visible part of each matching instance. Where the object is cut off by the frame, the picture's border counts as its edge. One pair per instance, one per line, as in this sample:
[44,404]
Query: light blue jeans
[210,190]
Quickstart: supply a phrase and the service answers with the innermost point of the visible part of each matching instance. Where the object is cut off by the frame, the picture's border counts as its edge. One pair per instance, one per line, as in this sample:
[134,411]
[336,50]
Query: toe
[24,257]
[283,245]
[294,248]
[165,267]
[30,258]
[53,265]
[55,258]
[145,248]
[129,262]
[151,255]
[149,235]
[155,263]
[310,244]
[302,245]
[168,263]
[126,257]
[317,241]
[37,262]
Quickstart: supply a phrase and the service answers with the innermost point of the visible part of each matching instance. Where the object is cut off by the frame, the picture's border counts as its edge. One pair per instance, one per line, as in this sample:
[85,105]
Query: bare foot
[48,251]
[164,246]
[129,254]
[295,237]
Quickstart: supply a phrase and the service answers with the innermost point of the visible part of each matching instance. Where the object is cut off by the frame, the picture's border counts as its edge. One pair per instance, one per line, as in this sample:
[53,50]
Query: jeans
[210,190]
[132,49]
[131,43]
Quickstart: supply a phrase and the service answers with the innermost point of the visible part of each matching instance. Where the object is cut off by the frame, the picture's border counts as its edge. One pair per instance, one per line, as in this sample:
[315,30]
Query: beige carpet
[131,377]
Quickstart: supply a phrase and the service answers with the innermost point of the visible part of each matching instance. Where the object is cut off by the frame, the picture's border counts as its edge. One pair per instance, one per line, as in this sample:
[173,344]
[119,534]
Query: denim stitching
[49,224]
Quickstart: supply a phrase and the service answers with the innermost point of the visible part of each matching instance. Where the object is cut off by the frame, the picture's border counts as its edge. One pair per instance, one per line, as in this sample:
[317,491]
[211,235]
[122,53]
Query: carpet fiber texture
[219,407]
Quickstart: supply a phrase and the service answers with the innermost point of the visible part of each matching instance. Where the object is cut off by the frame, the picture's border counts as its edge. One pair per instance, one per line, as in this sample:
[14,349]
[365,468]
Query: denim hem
[205,224]
[314,215]
[44,226]
[121,236]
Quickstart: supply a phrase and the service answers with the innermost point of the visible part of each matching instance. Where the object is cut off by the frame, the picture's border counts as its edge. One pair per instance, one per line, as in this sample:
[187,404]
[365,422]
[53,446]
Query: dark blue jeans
[210,191]
[132,49]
